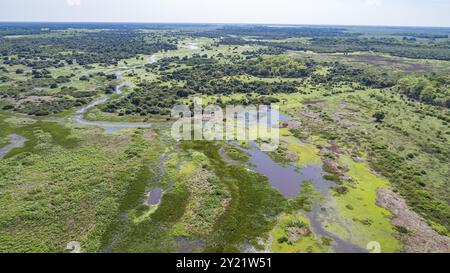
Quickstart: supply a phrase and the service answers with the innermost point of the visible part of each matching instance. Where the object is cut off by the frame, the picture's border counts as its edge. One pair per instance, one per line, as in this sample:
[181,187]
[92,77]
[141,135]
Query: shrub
[283,240]
[379,116]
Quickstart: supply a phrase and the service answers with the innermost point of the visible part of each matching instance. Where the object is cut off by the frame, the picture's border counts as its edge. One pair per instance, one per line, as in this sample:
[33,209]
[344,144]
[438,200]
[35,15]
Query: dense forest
[104,47]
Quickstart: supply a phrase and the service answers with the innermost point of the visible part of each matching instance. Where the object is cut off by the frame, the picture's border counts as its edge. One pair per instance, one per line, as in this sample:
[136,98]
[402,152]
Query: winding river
[107,125]
[287,180]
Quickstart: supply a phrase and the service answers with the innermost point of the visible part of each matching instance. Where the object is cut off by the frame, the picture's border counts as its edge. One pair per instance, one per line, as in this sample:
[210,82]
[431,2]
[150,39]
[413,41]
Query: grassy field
[66,185]
[408,147]
[80,183]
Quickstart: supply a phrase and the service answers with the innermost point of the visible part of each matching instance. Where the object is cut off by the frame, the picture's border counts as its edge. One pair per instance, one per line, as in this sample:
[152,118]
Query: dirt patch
[314,102]
[420,237]
[331,166]
[98,138]
[342,106]
[34,99]
[386,61]
[149,134]
[294,125]
[20,121]
[294,234]
[334,148]
[342,118]
[291,156]
[309,114]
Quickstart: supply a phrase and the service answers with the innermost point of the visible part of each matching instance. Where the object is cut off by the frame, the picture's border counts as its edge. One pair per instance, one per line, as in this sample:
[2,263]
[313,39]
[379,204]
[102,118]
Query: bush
[379,116]
[283,240]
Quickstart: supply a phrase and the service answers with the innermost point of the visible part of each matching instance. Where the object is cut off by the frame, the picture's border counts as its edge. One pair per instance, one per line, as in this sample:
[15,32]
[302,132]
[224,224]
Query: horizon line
[216,23]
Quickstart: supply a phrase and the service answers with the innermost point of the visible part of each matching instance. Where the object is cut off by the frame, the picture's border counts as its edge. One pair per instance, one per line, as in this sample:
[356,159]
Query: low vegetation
[369,110]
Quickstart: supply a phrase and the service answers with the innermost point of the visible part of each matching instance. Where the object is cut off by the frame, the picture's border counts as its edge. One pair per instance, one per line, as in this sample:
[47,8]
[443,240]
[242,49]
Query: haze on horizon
[320,12]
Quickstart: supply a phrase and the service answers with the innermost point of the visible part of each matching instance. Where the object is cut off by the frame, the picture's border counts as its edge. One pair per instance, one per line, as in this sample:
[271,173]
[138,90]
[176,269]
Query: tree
[182,93]
[379,116]
[428,94]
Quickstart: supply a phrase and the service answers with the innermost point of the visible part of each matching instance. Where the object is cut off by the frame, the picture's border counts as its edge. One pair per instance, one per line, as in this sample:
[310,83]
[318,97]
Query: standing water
[154,197]
[111,126]
[15,141]
[288,181]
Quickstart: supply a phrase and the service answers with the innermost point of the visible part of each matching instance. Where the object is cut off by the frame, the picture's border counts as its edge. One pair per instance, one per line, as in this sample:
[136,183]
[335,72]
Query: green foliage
[236,153]
[305,198]
[59,135]
[411,48]
[87,186]
[74,194]
[106,47]
[379,116]
[406,144]
[252,209]
[47,107]
[433,90]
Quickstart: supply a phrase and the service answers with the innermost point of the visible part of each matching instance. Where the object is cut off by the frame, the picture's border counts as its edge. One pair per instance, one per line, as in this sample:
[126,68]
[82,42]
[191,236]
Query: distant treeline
[439,50]
[104,47]
[277,32]
[422,35]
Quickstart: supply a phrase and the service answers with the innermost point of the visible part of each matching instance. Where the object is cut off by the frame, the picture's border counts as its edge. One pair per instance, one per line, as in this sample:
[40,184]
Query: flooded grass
[253,208]
[61,135]
[293,235]
[358,210]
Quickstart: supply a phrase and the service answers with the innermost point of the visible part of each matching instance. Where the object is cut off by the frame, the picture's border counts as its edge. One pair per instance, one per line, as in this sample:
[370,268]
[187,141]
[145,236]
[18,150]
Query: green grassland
[409,147]
[80,183]
[305,243]
[64,190]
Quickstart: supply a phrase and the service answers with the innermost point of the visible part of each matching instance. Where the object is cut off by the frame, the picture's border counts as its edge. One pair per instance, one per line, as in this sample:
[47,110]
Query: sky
[317,12]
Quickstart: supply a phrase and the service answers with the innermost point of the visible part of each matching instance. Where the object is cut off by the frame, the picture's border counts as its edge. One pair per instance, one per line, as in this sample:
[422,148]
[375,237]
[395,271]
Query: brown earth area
[421,238]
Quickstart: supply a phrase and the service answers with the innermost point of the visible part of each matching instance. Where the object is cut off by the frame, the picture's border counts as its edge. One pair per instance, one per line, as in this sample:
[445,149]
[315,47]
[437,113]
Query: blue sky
[342,12]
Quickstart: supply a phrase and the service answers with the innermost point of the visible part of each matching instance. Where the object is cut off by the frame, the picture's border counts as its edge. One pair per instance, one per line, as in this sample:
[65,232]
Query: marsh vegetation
[367,121]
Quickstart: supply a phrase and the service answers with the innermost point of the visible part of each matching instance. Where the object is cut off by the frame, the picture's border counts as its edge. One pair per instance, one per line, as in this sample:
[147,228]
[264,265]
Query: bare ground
[421,238]
[34,99]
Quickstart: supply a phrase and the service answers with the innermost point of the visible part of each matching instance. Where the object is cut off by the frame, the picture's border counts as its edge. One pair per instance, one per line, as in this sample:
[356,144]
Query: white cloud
[72,3]
[374,3]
